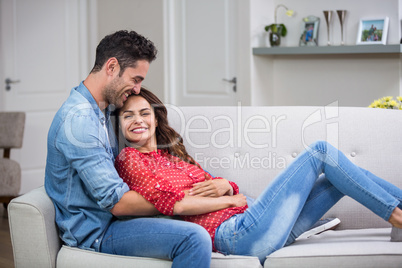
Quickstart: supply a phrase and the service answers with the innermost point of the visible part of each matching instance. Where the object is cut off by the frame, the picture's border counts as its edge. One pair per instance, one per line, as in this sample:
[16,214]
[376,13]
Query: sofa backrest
[251,145]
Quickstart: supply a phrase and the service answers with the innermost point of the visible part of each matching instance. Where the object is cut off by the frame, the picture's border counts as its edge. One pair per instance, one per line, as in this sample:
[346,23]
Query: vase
[274,39]
[341,15]
[328,17]
[275,35]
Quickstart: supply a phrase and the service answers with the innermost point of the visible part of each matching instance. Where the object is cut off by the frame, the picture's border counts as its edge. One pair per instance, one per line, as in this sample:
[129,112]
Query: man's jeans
[299,197]
[187,244]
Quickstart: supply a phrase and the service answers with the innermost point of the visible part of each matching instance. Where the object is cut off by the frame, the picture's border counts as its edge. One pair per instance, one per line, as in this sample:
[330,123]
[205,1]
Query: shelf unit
[329,50]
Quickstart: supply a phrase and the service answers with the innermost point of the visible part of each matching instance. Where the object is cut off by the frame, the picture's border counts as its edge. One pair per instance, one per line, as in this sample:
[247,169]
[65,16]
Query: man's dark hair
[127,47]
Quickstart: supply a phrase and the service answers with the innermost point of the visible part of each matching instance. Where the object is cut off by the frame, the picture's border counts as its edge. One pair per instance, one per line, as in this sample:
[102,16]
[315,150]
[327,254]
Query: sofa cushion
[75,257]
[345,248]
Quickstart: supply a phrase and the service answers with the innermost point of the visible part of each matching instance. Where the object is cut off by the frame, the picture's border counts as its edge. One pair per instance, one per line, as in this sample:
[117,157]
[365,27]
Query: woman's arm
[195,205]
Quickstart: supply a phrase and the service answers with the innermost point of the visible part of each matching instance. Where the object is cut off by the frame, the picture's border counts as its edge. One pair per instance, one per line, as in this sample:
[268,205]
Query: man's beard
[112,95]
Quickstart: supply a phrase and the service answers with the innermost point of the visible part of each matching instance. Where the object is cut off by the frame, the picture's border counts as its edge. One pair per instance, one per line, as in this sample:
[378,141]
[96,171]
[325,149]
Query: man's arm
[133,204]
[162,194]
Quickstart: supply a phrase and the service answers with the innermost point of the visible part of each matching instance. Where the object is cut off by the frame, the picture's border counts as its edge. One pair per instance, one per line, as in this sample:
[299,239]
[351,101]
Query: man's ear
[112,66]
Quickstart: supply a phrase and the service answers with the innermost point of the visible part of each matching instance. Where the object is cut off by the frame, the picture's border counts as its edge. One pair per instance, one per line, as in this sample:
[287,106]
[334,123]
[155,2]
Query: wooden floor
[6,251]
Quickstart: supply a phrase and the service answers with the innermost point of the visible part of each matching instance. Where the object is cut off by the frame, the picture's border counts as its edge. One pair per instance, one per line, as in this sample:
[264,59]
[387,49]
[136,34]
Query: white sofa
[250,145]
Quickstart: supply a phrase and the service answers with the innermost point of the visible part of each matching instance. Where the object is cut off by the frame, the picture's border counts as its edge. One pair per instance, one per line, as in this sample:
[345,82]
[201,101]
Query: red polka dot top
[161,179]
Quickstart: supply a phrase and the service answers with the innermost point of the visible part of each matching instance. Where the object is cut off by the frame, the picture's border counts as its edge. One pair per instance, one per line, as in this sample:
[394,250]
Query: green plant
[277,28]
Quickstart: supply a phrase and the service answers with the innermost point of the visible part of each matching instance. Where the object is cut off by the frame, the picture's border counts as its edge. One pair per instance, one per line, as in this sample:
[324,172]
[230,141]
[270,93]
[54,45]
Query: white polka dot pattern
[161,179]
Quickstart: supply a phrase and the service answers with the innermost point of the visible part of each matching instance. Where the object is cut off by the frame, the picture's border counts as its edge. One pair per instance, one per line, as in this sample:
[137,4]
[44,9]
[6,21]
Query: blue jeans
[187,244]
[299,197]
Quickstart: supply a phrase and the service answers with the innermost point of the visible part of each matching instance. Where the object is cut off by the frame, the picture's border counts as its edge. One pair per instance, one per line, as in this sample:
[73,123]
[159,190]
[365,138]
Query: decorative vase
[328,17]
[275,35]
[341,15]
[274,39]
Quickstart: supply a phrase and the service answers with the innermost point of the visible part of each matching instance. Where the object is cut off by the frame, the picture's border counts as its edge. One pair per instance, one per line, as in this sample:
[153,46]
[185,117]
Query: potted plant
[275,30]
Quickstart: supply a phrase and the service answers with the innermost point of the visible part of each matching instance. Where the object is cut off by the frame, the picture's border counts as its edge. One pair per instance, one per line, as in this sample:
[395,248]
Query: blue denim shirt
[80,177]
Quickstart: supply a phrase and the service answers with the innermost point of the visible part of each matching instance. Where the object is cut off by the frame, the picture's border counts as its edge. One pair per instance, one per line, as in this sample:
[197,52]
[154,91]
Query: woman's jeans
[187,244]
[299,197]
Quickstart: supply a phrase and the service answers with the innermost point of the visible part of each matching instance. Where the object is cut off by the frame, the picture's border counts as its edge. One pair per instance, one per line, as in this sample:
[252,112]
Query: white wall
[353,80]
[261,86]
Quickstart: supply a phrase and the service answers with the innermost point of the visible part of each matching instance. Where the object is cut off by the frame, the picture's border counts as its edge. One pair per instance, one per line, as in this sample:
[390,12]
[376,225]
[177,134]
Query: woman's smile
[139,130]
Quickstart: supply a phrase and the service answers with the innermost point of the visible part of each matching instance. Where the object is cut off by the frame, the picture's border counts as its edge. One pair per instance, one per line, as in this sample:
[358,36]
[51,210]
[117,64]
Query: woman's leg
[187,244]
[387,186]
[266,225]
[324,195]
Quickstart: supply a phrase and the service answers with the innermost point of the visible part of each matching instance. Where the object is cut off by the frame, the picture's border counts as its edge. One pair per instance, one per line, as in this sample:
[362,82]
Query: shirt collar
[84,91]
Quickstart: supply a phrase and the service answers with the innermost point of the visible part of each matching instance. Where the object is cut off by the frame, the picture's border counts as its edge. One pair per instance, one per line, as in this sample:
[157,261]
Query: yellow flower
[387,102]
[375,104]
[289,13]
[393,103]
[387,98]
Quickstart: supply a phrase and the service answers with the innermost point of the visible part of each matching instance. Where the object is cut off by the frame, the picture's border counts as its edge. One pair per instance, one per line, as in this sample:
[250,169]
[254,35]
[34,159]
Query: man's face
[117,91]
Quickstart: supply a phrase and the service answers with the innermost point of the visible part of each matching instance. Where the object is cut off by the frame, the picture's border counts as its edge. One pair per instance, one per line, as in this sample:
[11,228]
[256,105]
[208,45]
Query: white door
[40,53]
[203,38]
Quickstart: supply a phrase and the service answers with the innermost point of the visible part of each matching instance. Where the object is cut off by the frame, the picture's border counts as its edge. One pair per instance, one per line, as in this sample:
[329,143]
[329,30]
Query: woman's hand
[238,200]
[211,188]
[194,205]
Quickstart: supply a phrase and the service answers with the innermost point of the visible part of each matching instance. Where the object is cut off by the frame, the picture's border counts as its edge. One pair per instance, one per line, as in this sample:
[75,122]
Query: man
[80,176]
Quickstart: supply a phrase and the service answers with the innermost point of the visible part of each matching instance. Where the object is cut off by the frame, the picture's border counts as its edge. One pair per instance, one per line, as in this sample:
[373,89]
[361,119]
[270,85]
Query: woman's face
[138,124]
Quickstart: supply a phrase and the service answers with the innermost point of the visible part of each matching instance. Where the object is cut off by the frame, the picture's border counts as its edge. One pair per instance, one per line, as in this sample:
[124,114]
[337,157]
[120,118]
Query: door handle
[234,81]
[9,82]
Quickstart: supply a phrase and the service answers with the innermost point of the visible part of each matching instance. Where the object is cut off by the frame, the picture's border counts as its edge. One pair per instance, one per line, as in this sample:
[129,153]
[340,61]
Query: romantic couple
[93,186]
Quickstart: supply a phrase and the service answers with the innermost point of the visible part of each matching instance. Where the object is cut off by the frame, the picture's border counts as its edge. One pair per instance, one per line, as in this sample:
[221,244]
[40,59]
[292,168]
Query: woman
[157,165]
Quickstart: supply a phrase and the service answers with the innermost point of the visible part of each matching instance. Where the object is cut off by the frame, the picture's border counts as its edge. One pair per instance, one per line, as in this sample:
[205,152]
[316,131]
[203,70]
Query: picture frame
[373,31]
[309,31]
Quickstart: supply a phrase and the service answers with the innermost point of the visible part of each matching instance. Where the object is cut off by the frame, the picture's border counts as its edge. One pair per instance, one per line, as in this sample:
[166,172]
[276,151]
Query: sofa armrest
[33,230]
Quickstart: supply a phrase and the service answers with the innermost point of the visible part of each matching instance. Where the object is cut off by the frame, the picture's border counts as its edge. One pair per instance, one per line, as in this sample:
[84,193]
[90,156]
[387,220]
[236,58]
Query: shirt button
[157,186]
[191,174]
[97,240]
[294,155]
[352,154]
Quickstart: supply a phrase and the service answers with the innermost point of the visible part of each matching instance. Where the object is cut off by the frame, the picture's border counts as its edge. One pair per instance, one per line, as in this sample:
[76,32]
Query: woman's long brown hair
[166,136]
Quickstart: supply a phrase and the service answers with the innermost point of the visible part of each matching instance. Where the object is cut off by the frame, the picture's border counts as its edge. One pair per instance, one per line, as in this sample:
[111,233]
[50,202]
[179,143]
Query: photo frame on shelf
[309,31]
[373,31]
